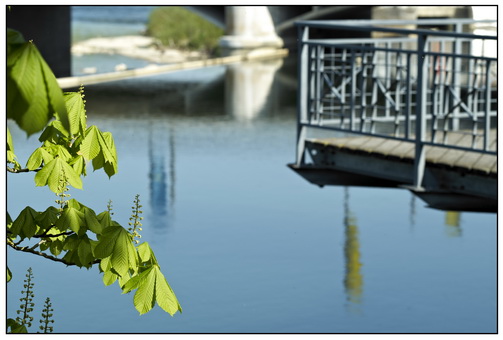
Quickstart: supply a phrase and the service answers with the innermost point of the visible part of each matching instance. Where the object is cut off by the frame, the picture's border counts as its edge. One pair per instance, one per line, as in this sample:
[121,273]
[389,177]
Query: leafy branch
[39,253]
[71,232]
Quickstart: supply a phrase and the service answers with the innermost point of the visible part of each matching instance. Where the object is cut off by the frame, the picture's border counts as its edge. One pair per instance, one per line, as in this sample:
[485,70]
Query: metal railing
[411,84]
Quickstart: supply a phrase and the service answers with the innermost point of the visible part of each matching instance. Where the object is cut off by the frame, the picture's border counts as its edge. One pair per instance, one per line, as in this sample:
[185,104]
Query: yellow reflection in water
[353,280]
[453,223]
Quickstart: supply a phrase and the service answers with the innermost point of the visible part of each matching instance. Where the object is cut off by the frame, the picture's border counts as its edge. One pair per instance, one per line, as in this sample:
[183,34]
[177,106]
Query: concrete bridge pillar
[248,28]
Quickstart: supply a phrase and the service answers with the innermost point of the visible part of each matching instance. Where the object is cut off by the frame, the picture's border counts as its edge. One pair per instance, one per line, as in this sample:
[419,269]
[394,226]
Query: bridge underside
[448,187]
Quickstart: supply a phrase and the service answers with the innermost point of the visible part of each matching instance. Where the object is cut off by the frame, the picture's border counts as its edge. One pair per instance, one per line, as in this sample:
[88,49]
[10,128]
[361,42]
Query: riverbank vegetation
[178,28]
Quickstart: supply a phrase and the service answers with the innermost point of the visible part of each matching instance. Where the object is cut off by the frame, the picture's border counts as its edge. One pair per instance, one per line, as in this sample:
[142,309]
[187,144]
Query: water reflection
[248,87]
[353,279]
[242,92]
[412,215]
[161,205]
[453,223]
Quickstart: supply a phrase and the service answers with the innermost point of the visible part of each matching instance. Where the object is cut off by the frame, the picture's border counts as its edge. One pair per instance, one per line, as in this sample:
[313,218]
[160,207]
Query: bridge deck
[434,155]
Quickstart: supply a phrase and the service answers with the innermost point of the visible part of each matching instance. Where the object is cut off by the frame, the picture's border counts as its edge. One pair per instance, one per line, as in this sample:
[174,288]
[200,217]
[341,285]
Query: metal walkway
[402,106]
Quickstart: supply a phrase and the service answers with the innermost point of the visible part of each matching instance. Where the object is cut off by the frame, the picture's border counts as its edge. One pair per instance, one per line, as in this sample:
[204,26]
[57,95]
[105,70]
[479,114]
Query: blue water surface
[248,245]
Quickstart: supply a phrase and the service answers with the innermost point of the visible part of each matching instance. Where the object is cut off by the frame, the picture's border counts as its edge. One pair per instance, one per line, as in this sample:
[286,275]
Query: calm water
[247,244]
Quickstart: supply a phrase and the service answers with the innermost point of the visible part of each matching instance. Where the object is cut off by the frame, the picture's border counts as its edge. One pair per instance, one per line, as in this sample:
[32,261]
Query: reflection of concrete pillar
[157,174]
[248,28]
[248,86]
[159,147]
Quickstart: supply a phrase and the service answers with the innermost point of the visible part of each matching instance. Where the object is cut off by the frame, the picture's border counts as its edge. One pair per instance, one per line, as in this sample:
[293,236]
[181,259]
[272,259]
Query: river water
[248,245]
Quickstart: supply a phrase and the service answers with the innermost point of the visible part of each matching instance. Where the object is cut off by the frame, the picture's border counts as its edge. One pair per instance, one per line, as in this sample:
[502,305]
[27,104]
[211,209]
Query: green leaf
[33,94]
[110,169]
[48,173]
[116,242]
[91,145]
[152,287]
[105,264]
[10,143]
[109,151]
[16,327]
[9,274]
[79,250]
[144,298]
[60,128]
[25,225]
[73,203]
[105,219]
[54,133]
[48,218]
[71,245]
[71,219]
[78,165]
[62,152]
[92,221]
[36,158]
[54,94]
[23,70]
[109,278]
[85,252]
[146,254]
[164,295]
[9,220]
[11,157]
[58,150]
[56,246]
[98,161]
[100,147]
[76,112]
[51,174]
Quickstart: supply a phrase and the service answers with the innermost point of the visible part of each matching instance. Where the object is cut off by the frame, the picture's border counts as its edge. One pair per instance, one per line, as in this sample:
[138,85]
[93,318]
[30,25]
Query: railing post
[302,105]
[408,98]
[318,72]
[422,71]
[456,64]
[487,113]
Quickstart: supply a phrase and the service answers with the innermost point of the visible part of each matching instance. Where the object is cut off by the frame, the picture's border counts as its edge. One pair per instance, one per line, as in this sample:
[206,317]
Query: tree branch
[49,257]
[16,171]
[45,233]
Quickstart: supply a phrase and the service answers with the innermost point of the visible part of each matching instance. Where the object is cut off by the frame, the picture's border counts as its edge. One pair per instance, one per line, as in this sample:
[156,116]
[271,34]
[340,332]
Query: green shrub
[177,27]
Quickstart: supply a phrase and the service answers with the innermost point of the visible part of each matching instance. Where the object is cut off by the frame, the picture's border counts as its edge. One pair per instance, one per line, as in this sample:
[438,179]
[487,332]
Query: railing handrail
[354,26]
[394,22]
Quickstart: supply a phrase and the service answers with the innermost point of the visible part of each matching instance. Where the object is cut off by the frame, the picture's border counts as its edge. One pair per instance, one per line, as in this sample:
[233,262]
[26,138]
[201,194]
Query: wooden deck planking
[487,162]
[347,143]
[434,154]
